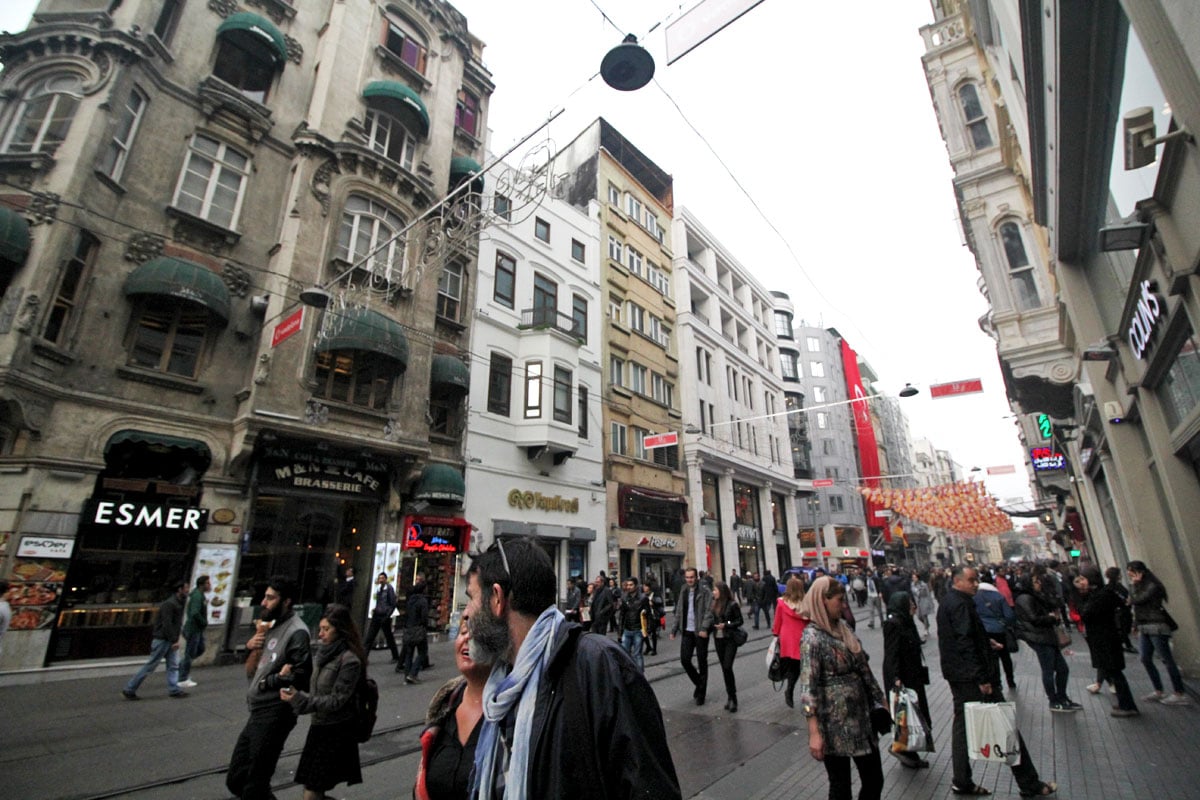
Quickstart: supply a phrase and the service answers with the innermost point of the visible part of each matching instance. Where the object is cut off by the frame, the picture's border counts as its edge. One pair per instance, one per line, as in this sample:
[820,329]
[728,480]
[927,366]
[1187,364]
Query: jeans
[1054,671]
[870,772]
[193,648]
[257,751]
[159,648]
[698,672]
[631,643]
[1162,643]
[1024,772]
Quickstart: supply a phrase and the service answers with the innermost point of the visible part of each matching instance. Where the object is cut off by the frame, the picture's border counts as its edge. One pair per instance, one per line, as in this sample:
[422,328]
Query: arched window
[974,116]
[367,225]
[45,115]
[1020,271]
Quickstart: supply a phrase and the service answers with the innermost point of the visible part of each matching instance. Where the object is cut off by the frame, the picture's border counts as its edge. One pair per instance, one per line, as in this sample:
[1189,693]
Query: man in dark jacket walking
[194,622]
[164,644]
[381,617]
[693,618]
[603,606]
[768,593]
[565,715]
[970,668]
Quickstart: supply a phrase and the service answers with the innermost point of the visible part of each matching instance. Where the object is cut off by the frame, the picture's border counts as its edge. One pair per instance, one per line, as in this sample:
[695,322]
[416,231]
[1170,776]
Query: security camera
[1139,133]
[1114,412]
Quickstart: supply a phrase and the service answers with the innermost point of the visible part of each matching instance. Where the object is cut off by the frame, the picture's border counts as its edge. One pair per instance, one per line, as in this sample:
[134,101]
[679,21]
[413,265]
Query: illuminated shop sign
[1046,458]
[543,502]
[142,515]
[1146,316]
[657,541]
[437,534]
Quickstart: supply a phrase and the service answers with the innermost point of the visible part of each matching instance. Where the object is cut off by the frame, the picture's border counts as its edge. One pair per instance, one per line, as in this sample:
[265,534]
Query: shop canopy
[14,236]
[257,32]
[449,374]
[187,280]
[397,98]
[366,330]
[462,168]
[161,443]
[441,483]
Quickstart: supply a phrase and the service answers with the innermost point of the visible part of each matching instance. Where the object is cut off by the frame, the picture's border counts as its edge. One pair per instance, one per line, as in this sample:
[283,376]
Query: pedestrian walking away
[381,617]
[1000,622]
[281,639]
[195,620]
[693,619]
[922,597]
[768,595]
[904,664]
[164,643]
[654,620]
[735,586]
[1098,608]
[415,654]
[330,754]
[727,634]
[1154,626]
[789,628]
[970,669]
[565,713]
[837,693]
[874,600]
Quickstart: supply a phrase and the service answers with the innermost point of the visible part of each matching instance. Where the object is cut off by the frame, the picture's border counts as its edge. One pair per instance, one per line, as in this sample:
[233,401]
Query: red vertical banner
[868,449]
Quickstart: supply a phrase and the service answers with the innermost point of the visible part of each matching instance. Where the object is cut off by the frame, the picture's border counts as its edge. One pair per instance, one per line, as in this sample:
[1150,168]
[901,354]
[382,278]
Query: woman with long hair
[1038,617]
[1098,605]
[727,618]
[837,693]
[1154,627]
[904,664]
[330,752]
[788,627]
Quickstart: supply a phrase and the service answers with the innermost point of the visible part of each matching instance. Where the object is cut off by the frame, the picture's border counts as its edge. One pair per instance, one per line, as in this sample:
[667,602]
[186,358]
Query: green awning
[14,236]
[461,168]
[187,280]
[158,441]
[399,99]
[255,30]
[449,374]
[364,329]
[441,483]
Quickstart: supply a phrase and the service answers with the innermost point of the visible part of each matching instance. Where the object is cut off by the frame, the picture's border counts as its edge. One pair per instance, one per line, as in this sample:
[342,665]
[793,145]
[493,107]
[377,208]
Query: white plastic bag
[772,649]
[992,732]
[908,731]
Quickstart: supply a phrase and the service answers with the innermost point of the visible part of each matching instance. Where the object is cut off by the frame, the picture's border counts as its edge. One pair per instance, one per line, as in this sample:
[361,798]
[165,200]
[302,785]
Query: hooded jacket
[994,610]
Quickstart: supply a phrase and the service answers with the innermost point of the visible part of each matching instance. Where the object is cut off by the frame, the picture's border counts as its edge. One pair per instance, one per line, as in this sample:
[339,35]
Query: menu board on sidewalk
[38,573]
[217,561]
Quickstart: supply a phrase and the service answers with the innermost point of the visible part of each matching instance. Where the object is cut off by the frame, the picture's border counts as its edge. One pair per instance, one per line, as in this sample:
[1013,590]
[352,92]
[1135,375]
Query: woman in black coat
[1099,609]
[904,665]
[1037,620]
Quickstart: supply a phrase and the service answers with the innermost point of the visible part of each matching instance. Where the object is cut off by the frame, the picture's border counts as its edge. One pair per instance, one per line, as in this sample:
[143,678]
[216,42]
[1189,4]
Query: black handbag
[412,636]
[775,669]
[738,636]
[881,718]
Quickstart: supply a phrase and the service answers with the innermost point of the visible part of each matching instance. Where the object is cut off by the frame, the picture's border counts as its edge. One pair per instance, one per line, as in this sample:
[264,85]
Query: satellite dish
[627,66]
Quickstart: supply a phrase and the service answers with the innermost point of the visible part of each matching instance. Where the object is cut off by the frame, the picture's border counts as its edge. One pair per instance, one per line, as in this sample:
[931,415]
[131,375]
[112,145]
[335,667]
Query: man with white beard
[564,714]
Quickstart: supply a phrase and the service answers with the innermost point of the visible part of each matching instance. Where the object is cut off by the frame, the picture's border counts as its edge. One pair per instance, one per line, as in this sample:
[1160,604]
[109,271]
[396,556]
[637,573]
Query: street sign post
[290,326]
[821,483]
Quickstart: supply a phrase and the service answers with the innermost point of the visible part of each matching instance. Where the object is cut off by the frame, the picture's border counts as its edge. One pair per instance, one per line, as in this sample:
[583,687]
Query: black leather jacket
[962,640]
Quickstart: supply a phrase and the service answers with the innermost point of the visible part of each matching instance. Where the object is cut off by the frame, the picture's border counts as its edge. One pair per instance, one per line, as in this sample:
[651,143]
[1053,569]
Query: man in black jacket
[603,606]
[565,714]
[693,618]
[381,617]
[164,643]
[970,668]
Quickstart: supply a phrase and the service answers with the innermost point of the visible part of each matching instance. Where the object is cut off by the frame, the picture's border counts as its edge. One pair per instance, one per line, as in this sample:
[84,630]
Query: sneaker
[411,679]
[1059,707]
[128,695]
[1071,705]
[1154,697]
[1177,700]
[188,684]
[1125,712]
[1112,690]
[1093,688]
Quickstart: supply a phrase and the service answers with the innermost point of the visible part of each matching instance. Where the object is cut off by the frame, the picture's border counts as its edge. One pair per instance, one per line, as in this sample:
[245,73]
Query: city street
[77,738]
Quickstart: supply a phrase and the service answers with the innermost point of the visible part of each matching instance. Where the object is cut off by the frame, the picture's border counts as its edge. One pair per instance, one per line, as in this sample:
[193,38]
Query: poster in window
[219,563]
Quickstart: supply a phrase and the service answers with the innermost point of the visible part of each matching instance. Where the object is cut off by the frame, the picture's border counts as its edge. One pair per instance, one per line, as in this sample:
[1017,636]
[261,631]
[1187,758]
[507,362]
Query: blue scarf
[518,687]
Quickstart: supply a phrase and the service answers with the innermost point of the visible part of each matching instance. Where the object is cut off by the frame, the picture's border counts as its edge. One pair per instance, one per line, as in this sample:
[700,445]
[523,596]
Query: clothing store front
[651,535]
[747,528]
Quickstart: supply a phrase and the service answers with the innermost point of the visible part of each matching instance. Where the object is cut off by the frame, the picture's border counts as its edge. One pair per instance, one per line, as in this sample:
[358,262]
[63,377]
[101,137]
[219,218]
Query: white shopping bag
[992,732]
[772,649]
[908,730]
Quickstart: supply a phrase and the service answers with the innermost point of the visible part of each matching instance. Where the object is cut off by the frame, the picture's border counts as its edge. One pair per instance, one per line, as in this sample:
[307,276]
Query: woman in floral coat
[837,692]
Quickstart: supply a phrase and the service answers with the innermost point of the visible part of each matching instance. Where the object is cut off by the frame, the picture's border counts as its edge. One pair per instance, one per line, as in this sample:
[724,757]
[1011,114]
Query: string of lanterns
[962,507]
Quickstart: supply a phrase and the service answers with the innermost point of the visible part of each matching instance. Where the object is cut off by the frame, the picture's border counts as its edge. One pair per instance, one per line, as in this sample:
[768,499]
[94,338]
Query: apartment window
[618,435]
[502,207]
[213,182]
[582,391]
[45,115]
[579,316]
[1020,272]
[450,286]
[836,503]
[466,114]
[819,395]
[660,332]
[973,116]
[112,163]
[615,248]
[445,414]
[783,325]
[247,63]
[505,289]
[357,377]
[614,195]
[789,365]
[707,368]
[633,260]
[639,443]
[814,344]
[616,371]
[533,389]
[387,136]
[370,227]
[662,390]
[816,369]
[499,384]
[636,317]
[541,229]
[66,297]
[168,335]
[562,395]
[578,251]
[637,378]
[649,220]
[633,207]
[400,40]
[828,447]
[703,421]
[545,300]
[822,420]
[168,19]
[658,279]
[614,308]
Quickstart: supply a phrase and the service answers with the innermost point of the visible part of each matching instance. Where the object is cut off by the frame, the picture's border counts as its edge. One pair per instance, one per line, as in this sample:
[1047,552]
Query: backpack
[366,708]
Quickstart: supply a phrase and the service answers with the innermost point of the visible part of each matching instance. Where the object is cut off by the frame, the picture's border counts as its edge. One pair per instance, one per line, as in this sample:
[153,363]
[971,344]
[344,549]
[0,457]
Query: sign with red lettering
[1006,469]
[291,325]
[970,386]
[820,483]
[660,440]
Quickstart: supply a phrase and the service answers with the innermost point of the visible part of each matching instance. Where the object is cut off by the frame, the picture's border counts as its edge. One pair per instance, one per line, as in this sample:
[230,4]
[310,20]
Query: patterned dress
[831,687]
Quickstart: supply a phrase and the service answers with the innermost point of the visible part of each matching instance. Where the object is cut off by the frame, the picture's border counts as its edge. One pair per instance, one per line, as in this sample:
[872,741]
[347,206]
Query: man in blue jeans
[164,644]
[632,605]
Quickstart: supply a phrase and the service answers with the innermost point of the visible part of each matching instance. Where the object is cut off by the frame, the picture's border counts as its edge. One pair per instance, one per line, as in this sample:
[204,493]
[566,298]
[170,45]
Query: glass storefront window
[1179,391]
[710,493]
[745,505]
[779,521]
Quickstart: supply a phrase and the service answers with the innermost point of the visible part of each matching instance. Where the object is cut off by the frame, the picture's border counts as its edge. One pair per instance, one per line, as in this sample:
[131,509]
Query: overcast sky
[822,112]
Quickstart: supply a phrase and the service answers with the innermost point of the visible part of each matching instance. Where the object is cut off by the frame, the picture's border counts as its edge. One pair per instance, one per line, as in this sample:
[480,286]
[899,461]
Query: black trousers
[257,751]
[1024,772]
[726,652]
[870,772]
[698,672]
[379,623]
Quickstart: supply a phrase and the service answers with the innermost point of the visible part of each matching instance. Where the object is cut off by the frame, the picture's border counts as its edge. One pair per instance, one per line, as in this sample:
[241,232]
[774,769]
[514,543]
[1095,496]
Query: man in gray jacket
[693,618]
[164,644]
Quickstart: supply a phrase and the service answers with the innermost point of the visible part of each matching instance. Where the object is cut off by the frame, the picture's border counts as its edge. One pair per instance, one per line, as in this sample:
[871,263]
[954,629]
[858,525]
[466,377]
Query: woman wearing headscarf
[1154,626]
[837,693]
[903,663]
[789,628]
[1098,608]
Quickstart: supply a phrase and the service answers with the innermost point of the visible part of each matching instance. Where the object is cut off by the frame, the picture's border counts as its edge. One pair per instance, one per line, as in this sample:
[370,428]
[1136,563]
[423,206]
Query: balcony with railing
[547,318]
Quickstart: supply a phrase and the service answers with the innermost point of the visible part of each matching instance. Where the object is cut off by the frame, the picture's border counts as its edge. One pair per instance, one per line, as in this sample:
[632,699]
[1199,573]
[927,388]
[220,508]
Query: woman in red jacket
[789,627]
